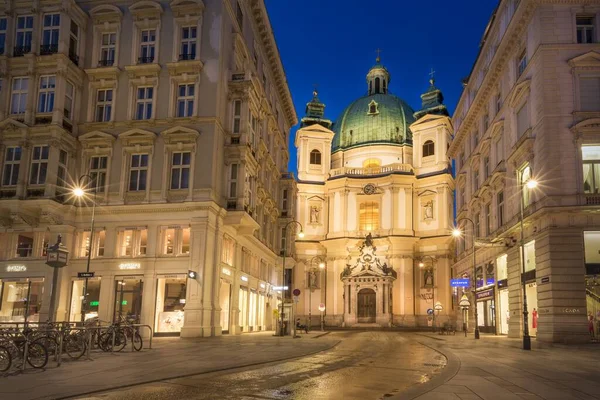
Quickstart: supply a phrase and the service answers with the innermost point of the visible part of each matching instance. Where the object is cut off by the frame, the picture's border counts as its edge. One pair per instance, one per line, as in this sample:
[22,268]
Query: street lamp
[311,270]
[56,257]
[300,235]
[80,192]
[457,233]
[531,184]
[432,268]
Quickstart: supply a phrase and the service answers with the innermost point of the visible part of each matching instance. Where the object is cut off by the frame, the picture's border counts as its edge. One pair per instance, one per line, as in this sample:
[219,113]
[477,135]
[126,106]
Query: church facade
[375,191]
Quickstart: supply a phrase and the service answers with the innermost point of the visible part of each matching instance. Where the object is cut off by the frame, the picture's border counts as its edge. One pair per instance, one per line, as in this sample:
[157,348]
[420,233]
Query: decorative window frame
[106,19]
[371,104]
[135,141]
[146,15]
[145,75]
[186,13]
[177,241]
[519,97]
[136,239]
[184,78]
[178,139]
[98,143]
[589,11]
[584,66]
[106,78]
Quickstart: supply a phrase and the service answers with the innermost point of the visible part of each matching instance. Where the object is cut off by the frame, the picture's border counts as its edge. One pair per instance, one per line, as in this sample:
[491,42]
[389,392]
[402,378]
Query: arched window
[369,216]
[377,84]
[428,148]
[315,157]
[373,109]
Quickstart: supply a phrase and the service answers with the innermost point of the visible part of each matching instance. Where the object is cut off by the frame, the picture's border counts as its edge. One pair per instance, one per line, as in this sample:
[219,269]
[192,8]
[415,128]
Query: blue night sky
[332,43]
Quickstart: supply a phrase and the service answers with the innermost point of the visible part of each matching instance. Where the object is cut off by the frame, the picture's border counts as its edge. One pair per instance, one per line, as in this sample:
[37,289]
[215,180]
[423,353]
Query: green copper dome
[374,119]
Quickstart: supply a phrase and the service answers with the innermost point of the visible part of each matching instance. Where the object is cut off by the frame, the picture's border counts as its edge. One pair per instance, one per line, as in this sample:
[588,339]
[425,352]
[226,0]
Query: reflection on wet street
[365,365]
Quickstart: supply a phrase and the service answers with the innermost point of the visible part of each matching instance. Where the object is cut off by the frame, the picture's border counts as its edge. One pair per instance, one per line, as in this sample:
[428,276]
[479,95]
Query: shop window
[25,244]
[128,300]
[224,303]
[228,251]
[77,298]
[502,267]
[428,148]
[169,241]
[315,157]
[170,303]
[21,301]
[176,241]
[530,256]
[132,242]
[369,216]
[185,240]
[143,241]
[243,306]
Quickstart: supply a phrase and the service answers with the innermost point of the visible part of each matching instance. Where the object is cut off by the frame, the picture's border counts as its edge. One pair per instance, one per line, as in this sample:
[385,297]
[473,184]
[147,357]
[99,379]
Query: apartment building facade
[175,116]
[529,111]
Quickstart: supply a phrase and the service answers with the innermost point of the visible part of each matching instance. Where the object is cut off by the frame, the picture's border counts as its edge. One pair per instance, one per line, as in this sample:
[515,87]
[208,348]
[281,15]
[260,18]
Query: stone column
[515,293]
[24,168]
[234,318]
[52,169]
[106,299]
[216,292]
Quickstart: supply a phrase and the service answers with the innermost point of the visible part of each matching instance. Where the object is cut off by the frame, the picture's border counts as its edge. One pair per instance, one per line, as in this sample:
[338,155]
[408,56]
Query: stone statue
[428,277]
[369,240]
[429,210]
[312,280]
[314,215]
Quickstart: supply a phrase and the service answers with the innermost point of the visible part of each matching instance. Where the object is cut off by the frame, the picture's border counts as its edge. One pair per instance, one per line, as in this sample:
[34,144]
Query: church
[375,195]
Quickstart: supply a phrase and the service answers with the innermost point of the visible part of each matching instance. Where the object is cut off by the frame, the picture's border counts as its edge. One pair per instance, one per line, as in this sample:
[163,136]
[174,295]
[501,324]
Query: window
[84,244]
[462,196]
[502,267]
[477,227]
[488,219]
[126,248]
[585,29]
[175,241]
[46,94]
[98,170]
[475,138]
[132,242]
[284,203]
[185,240]
[3,24]
[98,247]
[498,102]
[107,49]
[24,35]
[239,15]
[524,177]
[104,99]
[144,103]
[500,204]
[253,125]
[180,170]
[143,234]
[185,100]
[101,241]
[18,101]
[486,123]
[589,92]
[522,119]
[255,56]
[12,162]
[233,176]
[169,241]
[61,175]
[521,62]
[147,44]
[237,116]
[138,172]
[369,216]
[50,33]
[25,245]
[591,169]
[462,159]
[39,165]
[69,94]
[428,148]
[530,256]
[74,42]
[498,150]
[315,157]
[188,43]
[486,167]
[475,180]
[228,252]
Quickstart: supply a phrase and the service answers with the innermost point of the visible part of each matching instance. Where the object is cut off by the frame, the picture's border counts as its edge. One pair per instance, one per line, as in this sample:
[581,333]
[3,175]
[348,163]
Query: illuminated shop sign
[245,278]
[226,271]
[262,285]
[16,268]
[129,266]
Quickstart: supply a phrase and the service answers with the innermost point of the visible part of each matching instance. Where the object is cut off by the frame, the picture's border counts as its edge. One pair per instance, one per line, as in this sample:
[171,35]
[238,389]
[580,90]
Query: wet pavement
[364,365]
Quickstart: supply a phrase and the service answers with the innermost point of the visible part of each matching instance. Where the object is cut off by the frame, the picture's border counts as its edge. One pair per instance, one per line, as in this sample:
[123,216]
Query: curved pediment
[96,135]
[368,263]
[587,126]
[106,11]
[145,6]
[521,91]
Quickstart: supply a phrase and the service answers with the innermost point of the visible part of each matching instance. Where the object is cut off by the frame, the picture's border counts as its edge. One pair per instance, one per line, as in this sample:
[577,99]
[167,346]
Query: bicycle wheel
[105,341]
[37,355]
[5,359]
[74,345]
[138,343]
[50,343]
[120,340]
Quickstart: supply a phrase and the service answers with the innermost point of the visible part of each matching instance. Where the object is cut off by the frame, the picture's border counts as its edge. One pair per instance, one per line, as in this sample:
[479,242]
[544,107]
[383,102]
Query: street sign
[429,311]
[321,307]
[85,274]
[280,288]
[296,292]
[543,280]
[460,283]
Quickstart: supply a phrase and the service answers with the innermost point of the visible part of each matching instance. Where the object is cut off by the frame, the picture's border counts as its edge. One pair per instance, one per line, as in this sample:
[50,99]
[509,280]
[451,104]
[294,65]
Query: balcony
[106,63]
[405,169]
[8,193]
[74,57]
[187,57]
[145,60]
[238,77]
[20,51]
[47,49]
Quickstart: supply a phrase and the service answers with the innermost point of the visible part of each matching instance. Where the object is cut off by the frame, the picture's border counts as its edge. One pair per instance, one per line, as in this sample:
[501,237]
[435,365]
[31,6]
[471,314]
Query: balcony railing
[186,57]
[386,169]
[74,57]
[145,60]
[232,204]
[20,51]
[47,49]
[106,63]
[238,77]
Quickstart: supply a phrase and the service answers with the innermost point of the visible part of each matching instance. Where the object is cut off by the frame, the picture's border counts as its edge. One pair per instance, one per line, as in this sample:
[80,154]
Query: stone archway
[367,306]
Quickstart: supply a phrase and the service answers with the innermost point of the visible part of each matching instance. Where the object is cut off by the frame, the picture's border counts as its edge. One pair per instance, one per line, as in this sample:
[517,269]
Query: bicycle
[115,336]
[20,343]
[5,358]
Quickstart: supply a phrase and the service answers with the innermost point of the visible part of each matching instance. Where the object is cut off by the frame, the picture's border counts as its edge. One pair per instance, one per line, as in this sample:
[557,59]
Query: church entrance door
[366,306]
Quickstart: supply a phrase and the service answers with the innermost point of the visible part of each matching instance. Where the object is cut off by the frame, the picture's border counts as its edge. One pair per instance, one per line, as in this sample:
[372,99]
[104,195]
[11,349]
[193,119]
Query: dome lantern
[378,78]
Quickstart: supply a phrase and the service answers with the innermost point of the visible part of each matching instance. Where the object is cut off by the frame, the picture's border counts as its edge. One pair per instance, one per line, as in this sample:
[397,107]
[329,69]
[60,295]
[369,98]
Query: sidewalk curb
[449,372]
[72,396]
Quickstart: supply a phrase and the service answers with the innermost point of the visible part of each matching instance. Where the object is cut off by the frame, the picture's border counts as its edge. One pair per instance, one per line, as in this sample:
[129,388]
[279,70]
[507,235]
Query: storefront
[225,304]
[243,304]
[21,299]
[77,297]
[170,304]
[502,309]
[128,298]
[532,307]
[486,310]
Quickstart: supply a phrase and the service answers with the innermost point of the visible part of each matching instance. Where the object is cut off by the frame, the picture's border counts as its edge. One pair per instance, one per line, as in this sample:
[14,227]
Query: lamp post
[56,257]
[432,268]
[300,235]
[80,192]
[456,233]
[310,287]
[531,184]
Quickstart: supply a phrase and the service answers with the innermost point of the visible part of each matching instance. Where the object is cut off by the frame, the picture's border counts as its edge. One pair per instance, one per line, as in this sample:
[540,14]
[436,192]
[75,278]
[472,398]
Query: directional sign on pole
[85,274]
[460,283]
[296,299]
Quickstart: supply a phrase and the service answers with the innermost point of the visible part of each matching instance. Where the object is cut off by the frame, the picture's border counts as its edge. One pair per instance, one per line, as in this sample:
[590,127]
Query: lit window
[18,101]
[428,148]
[108,45]
[369,216]
[188,43]
[132,242]
[69,93]
[61,175]
[524,177]
[126,243]
[25,244]
[50,34]
[500,205]
[523,119]
[46,94]
[185,240]
[233,177]
[591,169]
[585,29]
[12,162]
[24,35]
[144,103]
[104,99]
[143,234]
[101,241]
[138,172]
[180,170]
[3,24]
[185,100]
[39,165]
[84,245]
[237,116]
[147,46]
[98,170]
[315,157]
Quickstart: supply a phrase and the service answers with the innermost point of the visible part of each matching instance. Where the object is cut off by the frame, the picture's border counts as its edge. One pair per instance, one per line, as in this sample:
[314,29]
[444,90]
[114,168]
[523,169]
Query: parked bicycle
[22,346]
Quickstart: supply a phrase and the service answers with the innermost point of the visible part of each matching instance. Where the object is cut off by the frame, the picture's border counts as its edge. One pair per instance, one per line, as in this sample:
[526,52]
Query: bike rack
[151,333]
